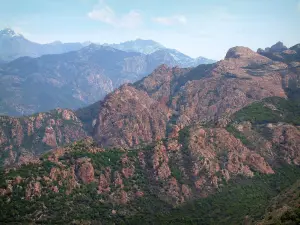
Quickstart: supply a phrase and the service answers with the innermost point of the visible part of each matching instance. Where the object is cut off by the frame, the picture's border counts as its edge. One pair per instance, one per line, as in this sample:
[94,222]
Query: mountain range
[14,45]
[151,47]
[71,75]
[214,144]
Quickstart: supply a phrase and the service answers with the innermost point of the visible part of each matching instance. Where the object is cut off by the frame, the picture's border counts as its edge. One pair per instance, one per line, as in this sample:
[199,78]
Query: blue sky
[195,27]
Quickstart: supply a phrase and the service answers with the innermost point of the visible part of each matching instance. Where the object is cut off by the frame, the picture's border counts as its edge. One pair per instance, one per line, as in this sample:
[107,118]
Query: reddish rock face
[288,138]
[208,158]
[55,189]
[50,137]
[285,136]
[86,172]
[118,182]
[33,189]
[48,130]
[128,172]
[139,194]
[209,93]
[104,183]
[127,116]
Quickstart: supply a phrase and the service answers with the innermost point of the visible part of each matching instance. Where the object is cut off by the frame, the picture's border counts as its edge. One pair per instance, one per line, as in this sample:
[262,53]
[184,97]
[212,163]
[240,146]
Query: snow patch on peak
[9,32]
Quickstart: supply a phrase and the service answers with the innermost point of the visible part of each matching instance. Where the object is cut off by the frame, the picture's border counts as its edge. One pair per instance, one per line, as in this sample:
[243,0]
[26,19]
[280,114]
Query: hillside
[215,144]
[23,139]
[164,182]
[173,96]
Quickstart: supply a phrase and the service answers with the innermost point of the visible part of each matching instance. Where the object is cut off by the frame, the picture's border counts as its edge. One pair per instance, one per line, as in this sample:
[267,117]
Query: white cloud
[169,21]
[102,12]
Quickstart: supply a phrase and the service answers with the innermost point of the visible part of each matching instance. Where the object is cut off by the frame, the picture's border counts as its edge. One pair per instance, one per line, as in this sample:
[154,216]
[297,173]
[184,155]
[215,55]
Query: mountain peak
[239,52]
[278,47]
[146,41]
[9,32]
[94,47]
[56,43]
[139,45]
[163,67]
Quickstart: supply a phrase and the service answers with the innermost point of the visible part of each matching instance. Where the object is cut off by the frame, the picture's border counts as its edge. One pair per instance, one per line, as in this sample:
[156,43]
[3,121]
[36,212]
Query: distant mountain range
[71,80]
[152,47]
[139,45]
[14,45]
[73,75]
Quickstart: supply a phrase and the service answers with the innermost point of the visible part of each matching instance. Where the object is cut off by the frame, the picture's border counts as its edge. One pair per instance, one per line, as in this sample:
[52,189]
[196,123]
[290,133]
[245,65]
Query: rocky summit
[215,144]
[142,112]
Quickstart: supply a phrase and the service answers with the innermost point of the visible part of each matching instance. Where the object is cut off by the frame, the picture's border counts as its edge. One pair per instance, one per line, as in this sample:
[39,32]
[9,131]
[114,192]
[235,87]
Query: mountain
[14,45]
[173,57]
[74,79]
[138,45]
[284,208]
[202,60]
[174,98]
[207,93]
[155,49]
[279,52]
[22,139]
[215,144]
[71,80]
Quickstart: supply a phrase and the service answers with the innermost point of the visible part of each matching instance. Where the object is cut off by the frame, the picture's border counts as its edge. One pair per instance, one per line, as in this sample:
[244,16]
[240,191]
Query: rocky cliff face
[22,139]
[279,52]
[203,159]
[208,93]
[188,165]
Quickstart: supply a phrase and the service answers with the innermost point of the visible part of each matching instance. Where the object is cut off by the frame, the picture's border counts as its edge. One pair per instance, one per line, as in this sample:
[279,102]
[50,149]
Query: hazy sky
[195,27]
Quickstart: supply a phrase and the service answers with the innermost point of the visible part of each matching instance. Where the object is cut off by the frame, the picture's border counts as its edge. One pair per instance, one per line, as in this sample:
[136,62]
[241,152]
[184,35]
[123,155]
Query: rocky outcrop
[143,112]
[281,136]
[129,116]
[85,170]
[278,47]
[33,189]
[21,139]
[279,52]
[204,161]
[288,138]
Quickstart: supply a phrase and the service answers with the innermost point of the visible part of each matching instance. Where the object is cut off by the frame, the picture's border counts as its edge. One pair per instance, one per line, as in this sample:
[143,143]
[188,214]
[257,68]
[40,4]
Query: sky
[195,27]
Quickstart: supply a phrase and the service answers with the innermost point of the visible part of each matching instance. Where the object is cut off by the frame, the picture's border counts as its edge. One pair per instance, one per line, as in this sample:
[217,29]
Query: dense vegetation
[270,110]
[244,198]
[291,217]
[230,205]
